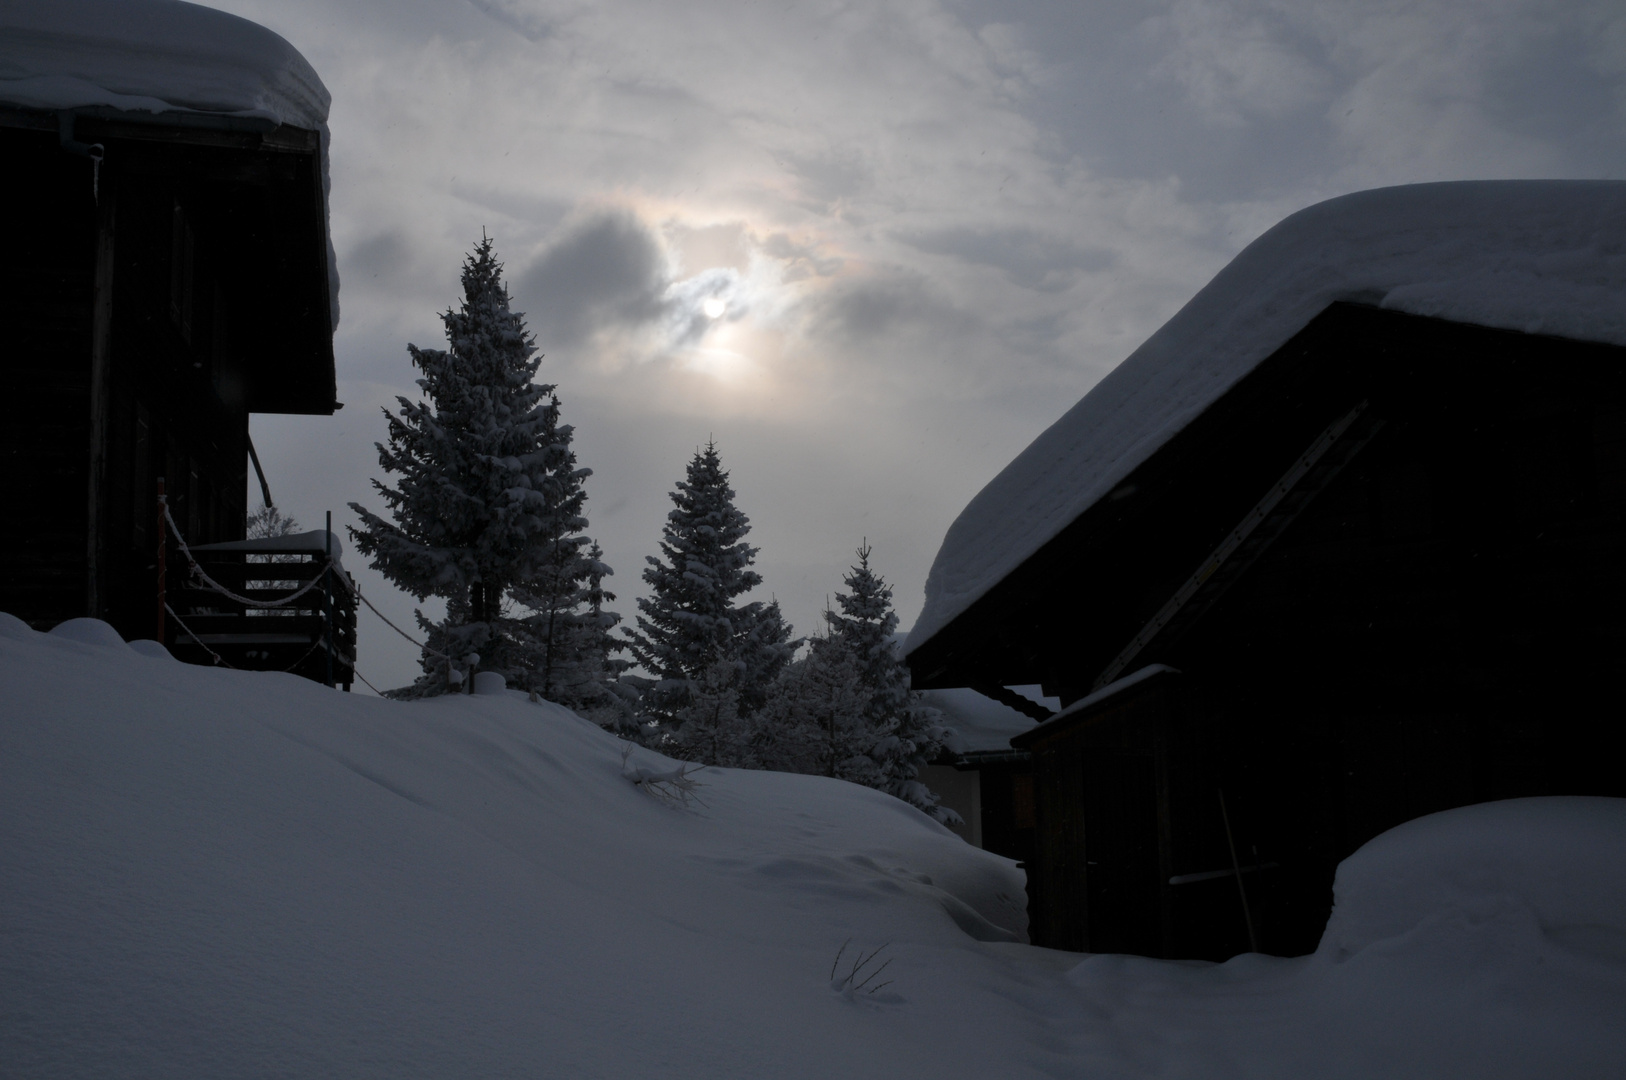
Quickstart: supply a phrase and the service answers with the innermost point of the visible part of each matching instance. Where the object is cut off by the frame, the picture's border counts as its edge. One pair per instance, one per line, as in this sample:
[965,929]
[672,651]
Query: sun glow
[714,307]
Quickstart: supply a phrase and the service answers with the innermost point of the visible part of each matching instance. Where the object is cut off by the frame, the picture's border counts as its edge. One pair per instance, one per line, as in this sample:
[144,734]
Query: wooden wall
[47,282]
[145,402]
[1444,624]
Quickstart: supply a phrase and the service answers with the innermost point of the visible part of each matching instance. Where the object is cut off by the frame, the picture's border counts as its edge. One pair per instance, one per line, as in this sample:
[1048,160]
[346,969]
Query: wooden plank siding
[146,323]
[1443,624]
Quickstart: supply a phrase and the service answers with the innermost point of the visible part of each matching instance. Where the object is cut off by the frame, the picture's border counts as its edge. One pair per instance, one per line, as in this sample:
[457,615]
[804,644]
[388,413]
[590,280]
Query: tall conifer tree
[489,499]
[712,658]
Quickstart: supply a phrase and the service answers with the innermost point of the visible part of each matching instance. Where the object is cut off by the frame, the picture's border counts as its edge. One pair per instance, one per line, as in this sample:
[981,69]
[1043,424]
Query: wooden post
[101,337]
[1236,868]
[163,534]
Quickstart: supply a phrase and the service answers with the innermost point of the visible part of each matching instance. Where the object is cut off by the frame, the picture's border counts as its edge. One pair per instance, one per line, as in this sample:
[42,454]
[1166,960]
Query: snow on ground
[213,873]
[1540,256]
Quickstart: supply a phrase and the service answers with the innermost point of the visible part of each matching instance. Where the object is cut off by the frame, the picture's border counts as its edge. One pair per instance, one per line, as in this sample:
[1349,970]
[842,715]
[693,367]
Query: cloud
[1234,62]
[934,222]
[1028,258]
[524,19]
[607,270]
[384,257]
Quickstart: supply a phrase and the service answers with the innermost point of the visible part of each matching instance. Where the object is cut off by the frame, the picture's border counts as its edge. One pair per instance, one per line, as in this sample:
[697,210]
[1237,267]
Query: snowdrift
[213,873]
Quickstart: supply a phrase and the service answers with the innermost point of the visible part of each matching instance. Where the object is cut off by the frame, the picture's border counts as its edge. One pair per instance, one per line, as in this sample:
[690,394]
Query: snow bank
[1543,257]
[1488,941]
[1560,862]
[159,56]
[215,873]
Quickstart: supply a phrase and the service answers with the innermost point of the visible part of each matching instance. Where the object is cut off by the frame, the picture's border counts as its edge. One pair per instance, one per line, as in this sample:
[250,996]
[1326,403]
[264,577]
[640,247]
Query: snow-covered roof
[1113,689]
[155,57]
[979,724]
[1543,257]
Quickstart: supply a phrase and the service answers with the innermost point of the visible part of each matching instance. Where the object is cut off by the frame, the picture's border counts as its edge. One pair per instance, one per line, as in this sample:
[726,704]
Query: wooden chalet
[1376,569]
[166,273]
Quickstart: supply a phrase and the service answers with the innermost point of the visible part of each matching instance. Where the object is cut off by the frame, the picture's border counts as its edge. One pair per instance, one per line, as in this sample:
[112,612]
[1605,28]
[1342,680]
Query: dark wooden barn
[1381,574]
[165,273]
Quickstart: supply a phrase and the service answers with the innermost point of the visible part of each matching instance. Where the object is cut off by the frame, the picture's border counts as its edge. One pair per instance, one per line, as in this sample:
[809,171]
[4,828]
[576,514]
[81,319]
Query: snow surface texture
[1543,257]
[217,873]
[157,56]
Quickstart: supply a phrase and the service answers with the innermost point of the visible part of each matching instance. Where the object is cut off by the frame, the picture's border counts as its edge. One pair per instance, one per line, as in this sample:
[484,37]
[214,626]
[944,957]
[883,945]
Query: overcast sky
[932,226]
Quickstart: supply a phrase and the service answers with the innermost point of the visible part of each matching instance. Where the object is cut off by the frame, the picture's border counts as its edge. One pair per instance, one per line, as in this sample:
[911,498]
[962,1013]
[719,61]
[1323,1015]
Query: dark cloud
[862,310]
[382,258]
[1030,259]
[607,270]
[523,19]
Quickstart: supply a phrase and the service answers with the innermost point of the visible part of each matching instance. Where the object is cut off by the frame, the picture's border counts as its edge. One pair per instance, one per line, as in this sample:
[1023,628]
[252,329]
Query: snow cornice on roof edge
[1537,256]
[152,59]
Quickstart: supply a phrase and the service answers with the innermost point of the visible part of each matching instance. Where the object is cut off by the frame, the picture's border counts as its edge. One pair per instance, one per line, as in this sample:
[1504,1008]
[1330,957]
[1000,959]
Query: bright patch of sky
[872,250]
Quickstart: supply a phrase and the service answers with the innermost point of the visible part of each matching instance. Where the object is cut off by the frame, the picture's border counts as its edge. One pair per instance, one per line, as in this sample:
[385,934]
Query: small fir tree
[567,635]
[692,636]
[489,499]
[908,732]
[904,733]
[815,721]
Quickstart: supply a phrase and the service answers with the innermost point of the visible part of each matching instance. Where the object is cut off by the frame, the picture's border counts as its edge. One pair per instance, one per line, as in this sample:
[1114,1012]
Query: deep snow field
[209,873]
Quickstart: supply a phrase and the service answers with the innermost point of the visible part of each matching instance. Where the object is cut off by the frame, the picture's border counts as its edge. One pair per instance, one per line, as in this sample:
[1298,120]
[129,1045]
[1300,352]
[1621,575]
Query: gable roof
[1545,257]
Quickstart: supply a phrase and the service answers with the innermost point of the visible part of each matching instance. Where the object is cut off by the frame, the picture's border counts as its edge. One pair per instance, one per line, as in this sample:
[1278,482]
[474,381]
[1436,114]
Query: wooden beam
[1012,700]
[1307,476]
[101,332]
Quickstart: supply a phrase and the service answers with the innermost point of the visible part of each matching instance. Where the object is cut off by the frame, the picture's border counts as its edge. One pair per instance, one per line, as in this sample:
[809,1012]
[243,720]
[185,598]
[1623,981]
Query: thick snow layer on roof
[153,56]
[158,56]
[978,723]
[229,873]
[1543,257]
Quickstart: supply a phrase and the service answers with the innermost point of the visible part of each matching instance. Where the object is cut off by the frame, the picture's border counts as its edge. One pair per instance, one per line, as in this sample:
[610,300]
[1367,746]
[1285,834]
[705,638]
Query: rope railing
[218,659]
[202,577]
[398,630]
[199,574]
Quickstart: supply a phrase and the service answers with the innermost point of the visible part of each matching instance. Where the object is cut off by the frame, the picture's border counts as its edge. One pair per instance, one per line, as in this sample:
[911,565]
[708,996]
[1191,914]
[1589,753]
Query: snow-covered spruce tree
[698,644]
[573,654]
[489,497]
[905,732]
[815,721]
